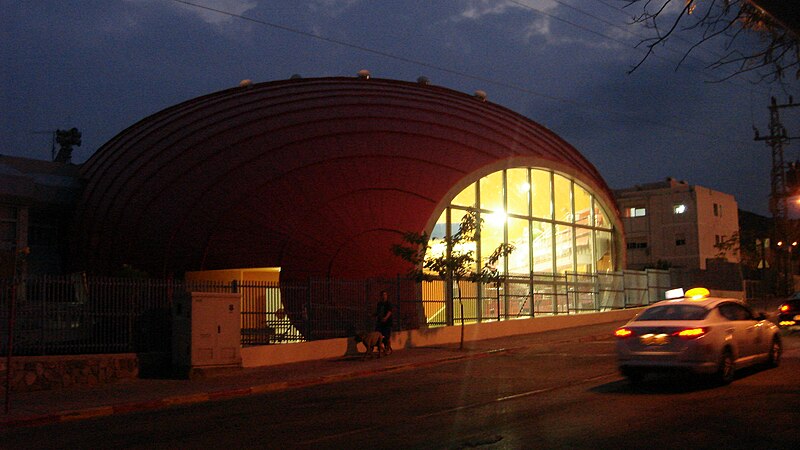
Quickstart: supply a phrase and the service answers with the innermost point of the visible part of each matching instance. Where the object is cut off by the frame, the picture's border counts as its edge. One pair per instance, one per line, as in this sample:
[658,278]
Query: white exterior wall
[722,221]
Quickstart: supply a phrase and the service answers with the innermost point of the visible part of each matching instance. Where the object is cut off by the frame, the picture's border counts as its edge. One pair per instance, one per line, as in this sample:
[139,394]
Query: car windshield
[674,312]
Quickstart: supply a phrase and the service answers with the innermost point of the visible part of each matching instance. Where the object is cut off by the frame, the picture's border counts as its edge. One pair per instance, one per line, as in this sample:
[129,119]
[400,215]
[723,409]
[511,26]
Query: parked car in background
[789,313]
[696,333]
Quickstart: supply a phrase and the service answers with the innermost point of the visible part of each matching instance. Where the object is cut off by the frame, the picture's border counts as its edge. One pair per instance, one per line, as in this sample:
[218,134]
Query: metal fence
[77,314]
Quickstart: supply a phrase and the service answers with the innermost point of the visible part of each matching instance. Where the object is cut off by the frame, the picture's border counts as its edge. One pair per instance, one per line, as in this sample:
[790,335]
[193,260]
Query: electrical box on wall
[206,331]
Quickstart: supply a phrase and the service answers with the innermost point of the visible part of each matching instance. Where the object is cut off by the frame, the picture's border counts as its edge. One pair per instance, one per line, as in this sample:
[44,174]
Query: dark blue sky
[102,65]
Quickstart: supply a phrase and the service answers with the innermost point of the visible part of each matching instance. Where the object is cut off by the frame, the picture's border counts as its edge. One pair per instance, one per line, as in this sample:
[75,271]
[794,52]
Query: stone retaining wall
[36,373]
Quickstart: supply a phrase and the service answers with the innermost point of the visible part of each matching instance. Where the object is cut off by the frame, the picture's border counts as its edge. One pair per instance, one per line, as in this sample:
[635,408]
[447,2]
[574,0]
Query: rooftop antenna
[52,134]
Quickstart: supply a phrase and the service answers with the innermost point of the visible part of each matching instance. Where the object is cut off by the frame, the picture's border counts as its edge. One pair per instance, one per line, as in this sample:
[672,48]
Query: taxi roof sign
[674,293]
[697,293]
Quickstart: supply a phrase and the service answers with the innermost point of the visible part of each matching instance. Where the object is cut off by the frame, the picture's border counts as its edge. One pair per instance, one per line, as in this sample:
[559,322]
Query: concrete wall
[268,355]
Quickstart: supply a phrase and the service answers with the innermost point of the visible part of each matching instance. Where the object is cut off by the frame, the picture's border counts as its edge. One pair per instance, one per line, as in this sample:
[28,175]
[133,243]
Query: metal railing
[77,314]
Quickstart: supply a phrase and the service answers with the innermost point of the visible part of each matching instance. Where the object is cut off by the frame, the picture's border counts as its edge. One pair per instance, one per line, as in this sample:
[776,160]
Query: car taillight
[691,333]
[784,308]
[623,333]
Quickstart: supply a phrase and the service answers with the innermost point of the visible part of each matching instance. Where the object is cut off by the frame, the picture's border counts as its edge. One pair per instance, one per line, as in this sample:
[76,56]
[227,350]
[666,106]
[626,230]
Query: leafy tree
[456,264]
[66,140]
[730,245]
[774,21]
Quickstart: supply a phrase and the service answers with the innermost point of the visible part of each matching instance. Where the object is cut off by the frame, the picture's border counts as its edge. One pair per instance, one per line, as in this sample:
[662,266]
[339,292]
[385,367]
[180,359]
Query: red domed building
[319,177]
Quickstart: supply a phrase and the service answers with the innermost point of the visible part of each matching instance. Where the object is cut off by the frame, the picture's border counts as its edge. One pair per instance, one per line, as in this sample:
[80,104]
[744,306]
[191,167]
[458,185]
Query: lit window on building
[637,212]
[679,208]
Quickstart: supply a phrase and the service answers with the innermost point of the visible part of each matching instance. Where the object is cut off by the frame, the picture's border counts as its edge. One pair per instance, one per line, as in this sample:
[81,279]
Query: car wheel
[775,351]
[634,376]
[726,369]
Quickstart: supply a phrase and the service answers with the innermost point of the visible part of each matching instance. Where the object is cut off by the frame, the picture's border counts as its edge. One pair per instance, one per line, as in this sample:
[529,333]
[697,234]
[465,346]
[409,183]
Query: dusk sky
[103,65]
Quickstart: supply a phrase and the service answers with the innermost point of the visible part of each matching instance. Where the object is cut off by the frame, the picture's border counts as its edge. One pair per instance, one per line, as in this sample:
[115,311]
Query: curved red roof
[317,176]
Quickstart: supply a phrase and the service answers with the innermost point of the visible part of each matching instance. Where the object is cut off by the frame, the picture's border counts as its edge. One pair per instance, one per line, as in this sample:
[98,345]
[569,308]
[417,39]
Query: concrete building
[37,199]
[673,224]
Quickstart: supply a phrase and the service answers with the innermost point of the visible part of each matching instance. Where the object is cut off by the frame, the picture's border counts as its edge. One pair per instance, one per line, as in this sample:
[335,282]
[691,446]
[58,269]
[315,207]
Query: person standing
[384,320]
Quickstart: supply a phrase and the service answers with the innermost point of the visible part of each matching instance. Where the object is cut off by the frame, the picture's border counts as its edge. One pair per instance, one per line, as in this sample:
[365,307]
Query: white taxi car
[696,333]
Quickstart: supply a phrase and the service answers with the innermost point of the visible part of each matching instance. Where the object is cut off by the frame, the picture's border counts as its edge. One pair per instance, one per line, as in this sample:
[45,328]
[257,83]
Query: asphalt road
[564,395]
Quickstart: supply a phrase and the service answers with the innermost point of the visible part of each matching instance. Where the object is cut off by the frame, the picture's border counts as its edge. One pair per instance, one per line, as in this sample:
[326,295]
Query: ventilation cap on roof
[363,74]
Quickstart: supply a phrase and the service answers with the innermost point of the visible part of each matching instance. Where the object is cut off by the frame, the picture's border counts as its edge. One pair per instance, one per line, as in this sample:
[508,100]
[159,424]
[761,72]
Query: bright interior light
[437,248]
[496,218]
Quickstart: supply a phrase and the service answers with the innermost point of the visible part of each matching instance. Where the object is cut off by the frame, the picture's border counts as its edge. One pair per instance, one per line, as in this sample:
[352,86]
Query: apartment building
[673,224]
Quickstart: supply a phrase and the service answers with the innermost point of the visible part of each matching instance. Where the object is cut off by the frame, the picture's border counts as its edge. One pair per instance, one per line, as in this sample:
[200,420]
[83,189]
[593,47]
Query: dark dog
[371,340]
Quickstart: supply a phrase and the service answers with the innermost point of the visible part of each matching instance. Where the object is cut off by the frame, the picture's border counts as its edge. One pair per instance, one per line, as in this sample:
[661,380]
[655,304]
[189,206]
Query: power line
[576,104]
[628,31]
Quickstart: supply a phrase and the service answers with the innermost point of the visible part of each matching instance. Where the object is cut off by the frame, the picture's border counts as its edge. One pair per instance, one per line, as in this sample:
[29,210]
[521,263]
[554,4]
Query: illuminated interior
[556,225]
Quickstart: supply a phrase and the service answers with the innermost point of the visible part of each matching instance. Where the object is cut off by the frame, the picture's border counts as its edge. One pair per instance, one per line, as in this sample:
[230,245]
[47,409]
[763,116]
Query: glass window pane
[466,197]
[437,246]
[563,198]
[519,237]
[603,252]
[542,240]
[519,189]
[584,249]
[492,192]
[468,246]
[440,227]
[492,235]
[600,216]
[564,250]
[583,206]
[540,190]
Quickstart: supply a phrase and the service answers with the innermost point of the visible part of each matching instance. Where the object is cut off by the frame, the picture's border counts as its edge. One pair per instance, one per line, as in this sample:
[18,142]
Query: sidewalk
[37,408]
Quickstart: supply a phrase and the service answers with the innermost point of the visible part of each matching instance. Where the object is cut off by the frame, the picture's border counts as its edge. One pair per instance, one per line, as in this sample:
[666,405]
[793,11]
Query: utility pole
[778,197]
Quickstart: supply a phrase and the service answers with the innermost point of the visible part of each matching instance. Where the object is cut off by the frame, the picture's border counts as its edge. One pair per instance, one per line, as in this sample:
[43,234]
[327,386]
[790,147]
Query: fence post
[307,312]
[505,303]
[596,291]
[10,350]
[624,292]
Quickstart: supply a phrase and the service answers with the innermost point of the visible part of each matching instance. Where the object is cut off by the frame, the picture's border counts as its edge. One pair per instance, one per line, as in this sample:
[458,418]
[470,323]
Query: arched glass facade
[555,224]
[562,234]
